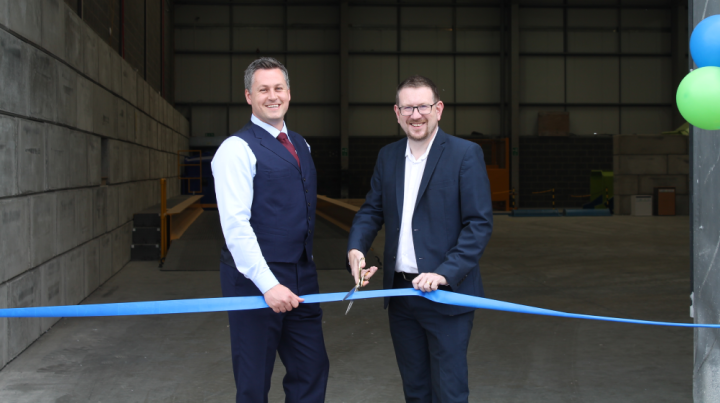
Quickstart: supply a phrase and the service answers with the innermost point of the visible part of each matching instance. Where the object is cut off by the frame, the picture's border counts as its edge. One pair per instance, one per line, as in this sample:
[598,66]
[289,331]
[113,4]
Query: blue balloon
[705,42]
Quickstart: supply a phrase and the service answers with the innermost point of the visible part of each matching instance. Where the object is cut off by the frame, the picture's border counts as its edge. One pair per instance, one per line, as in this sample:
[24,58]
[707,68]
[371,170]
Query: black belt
[406,276]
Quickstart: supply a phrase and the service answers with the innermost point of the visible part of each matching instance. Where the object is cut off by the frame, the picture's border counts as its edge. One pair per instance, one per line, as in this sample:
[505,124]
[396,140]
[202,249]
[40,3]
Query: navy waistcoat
[284,199]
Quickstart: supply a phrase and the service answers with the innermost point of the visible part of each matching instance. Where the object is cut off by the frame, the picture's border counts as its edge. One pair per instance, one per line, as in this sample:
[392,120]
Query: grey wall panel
[240,116]
[485,120]
[645,18]
[592,18]
[314,78]
[541,17]
[373,39]
[202,78]
[209,119]
[374,16]
[252,14]
[542,79]
[256,38]
[528,119]
[588,121]
[541,41]
[438,68]
[373,121]
[191,14]
[477,41]
[314,121]
[592,42]
[477,17]
[313,15]
[426,16]
[646,42]
[202,39]
[426,40]
[592,80]
[477,79]
[636,120]
[647,80]
[313,40]
[447,120]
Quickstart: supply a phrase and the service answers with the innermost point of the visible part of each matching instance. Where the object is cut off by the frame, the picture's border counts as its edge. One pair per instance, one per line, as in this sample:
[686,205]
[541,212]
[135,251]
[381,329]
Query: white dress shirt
[234,167]
[414,169]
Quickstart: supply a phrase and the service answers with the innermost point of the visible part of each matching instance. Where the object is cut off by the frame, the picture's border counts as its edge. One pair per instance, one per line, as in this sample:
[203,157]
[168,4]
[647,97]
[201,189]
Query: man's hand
[357,267]
[281,299]
[427,282]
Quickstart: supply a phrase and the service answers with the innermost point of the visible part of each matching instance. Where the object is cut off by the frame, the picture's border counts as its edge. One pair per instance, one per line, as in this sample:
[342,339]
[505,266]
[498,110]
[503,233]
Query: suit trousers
[256,335]
[431,349]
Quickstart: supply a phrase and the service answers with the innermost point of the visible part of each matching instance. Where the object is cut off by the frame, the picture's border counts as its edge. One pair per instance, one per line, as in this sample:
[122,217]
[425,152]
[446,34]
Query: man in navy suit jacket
[432,192]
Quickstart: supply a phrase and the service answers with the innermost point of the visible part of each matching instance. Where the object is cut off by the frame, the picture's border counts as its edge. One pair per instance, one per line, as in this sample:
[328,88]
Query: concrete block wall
[80,152]
[643,162]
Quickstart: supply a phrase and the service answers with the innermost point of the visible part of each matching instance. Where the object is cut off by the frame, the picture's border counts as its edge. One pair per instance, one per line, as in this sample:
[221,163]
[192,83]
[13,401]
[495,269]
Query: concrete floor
[634,267]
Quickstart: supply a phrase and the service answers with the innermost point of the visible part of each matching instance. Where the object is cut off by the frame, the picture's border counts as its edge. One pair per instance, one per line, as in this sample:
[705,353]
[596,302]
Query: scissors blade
[349,293]
[348,308]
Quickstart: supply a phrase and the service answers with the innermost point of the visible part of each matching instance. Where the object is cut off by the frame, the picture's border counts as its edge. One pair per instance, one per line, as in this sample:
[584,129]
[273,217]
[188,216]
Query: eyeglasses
[409,110]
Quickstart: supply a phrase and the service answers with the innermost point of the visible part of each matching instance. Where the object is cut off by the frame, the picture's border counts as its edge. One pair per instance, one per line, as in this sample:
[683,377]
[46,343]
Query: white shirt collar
[408,153]
[269,128]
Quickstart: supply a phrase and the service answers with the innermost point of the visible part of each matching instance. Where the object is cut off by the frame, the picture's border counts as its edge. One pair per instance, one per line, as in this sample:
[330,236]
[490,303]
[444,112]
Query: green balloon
[698,98]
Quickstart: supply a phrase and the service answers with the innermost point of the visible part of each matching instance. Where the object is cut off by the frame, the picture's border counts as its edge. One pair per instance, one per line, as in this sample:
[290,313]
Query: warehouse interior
[110,111]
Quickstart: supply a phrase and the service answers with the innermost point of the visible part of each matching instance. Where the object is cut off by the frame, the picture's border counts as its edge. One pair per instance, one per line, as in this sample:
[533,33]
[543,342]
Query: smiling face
[270,96]
[418,127]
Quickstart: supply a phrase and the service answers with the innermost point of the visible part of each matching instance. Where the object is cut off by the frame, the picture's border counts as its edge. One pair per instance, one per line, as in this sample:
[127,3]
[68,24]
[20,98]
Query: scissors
[352,291]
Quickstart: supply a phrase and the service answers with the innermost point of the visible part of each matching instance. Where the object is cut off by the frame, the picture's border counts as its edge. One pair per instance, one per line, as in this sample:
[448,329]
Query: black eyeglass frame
[416,107]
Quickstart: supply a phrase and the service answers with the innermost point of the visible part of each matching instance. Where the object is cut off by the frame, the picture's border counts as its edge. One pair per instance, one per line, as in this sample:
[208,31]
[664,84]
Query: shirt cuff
[265,281]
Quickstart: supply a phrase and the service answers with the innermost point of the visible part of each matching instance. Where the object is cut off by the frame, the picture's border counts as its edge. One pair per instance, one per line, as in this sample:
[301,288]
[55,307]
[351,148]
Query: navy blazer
[452,221]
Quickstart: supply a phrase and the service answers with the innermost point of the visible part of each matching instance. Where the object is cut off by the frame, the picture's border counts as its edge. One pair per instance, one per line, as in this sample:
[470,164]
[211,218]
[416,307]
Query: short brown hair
[417,82]
[263,63]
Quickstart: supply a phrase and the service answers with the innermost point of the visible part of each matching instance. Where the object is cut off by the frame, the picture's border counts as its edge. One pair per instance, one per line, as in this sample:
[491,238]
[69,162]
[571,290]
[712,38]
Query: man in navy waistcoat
[266,187]
[431,191]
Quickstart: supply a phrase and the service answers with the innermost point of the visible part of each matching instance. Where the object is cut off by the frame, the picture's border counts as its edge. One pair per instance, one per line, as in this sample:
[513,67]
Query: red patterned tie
[284,141]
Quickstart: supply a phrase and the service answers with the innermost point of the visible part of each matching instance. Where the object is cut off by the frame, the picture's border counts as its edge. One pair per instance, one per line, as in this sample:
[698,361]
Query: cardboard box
[553,123]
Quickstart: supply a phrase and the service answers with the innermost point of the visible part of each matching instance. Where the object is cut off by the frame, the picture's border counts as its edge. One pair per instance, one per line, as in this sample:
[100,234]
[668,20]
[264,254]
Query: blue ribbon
[245,303]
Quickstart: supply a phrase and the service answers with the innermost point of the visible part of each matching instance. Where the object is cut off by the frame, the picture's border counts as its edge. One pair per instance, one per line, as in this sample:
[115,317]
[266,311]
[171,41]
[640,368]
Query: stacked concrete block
[91,251]
[94,160]
[84,215]
[42,86]
[14,74]
[113,207]
[8,155]
[90,53]
[66,226]
[73,114]
[51,288]
[641,163]
[104,112]
[72,267]
[105,251]
[74,28]
[67,96]
[14,237]
[53,27]
[85,90]
[99,211]
[25,18]
[129,83]
[23,292]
